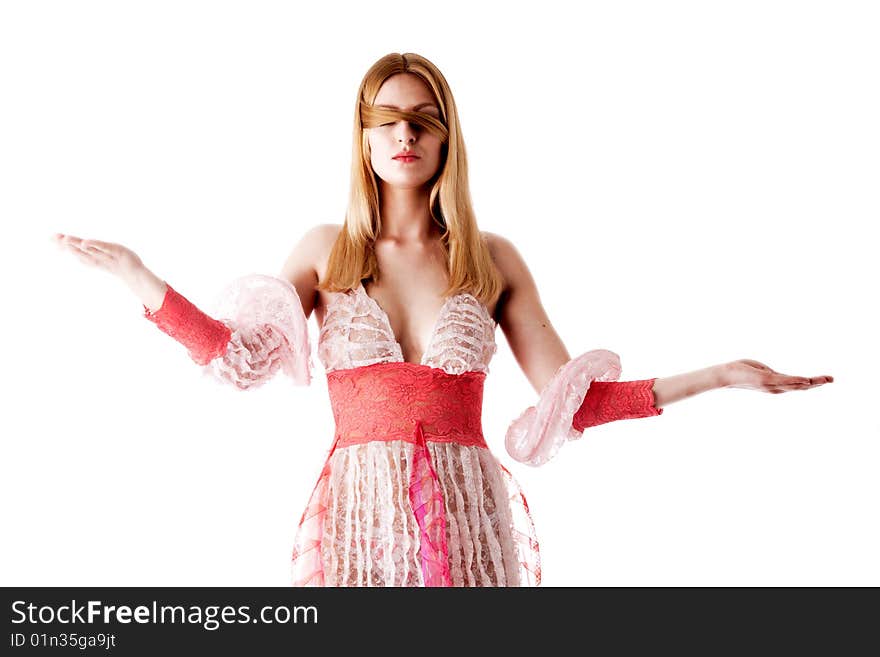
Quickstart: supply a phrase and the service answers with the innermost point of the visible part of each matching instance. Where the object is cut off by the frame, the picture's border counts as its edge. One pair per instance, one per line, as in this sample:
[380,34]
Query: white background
[689,182]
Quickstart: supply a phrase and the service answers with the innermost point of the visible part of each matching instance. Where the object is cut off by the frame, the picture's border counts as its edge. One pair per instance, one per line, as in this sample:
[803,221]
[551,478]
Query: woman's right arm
[262,327]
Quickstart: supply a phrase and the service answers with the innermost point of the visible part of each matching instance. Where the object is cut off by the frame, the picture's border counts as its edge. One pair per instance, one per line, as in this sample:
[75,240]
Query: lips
[405,156]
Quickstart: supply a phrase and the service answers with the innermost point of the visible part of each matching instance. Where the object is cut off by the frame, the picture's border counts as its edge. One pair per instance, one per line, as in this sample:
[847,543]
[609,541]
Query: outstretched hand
[752,375]
[114,258]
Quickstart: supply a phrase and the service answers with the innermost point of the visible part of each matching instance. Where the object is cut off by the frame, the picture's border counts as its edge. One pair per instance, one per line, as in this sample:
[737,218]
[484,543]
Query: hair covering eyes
[372,117]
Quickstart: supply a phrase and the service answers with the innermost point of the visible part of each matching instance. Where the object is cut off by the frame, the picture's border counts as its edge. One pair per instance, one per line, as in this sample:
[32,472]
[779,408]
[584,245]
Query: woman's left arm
[575,393]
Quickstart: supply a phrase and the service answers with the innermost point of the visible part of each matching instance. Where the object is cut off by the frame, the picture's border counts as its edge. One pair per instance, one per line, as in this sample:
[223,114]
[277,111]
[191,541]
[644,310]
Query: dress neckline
[387,321]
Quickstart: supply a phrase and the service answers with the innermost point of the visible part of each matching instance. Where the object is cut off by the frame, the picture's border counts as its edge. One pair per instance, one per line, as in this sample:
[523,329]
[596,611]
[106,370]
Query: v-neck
[387,320]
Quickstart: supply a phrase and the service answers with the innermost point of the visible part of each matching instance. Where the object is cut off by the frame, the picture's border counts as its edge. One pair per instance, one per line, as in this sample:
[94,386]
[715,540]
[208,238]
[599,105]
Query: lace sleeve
[269,332]
[261,329]
[538,433]
[609,401]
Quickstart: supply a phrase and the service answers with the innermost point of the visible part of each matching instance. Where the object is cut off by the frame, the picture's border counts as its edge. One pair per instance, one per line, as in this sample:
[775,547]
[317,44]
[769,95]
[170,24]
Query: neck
[406,215]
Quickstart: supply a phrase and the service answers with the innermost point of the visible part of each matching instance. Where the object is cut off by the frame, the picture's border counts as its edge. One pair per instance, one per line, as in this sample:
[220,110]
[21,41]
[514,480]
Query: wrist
[149,288]
[722,375]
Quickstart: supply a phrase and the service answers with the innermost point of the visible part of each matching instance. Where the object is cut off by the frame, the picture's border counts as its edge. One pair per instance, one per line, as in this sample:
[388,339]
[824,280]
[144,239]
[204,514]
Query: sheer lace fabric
[269,333]
[357,332]
[204,337]
[371,533]
[610,401]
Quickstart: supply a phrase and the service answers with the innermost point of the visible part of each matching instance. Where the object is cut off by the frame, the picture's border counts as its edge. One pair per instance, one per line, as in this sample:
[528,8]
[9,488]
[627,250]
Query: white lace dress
[366,497]
[359,527]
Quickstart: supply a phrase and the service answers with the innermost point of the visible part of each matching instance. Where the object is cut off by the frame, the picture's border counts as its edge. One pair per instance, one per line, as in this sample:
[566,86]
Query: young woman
[407,293]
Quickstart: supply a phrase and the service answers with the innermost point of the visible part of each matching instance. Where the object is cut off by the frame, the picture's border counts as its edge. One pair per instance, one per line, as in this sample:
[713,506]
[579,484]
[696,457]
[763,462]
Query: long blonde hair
[352,258]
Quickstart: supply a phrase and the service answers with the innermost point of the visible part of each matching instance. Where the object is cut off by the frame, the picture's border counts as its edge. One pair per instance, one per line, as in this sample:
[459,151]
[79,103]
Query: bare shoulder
[330,231]
[323,235]
[509,261]
[327,235]
[311,250]
[307,258]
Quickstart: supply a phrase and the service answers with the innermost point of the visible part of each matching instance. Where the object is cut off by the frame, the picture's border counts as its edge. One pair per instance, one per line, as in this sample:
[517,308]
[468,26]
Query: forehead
[405,91]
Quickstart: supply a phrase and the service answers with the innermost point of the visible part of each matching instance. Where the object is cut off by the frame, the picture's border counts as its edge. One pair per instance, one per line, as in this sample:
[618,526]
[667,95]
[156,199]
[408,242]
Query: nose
[405,131]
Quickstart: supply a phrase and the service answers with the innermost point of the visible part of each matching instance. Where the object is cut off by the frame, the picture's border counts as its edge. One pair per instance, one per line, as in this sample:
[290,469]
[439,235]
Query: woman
[410,495]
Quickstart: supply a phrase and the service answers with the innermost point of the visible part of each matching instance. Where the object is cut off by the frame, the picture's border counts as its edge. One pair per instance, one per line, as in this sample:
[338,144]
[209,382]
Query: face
[405,91]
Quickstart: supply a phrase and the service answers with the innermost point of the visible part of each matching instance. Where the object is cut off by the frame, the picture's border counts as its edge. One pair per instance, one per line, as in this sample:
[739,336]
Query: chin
[408,184]
[404,182]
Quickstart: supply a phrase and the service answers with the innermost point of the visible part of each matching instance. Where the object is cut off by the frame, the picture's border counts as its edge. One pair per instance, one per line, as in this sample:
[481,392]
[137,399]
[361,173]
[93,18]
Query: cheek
[437,150]
[374,148]
[379,148]
[375,156]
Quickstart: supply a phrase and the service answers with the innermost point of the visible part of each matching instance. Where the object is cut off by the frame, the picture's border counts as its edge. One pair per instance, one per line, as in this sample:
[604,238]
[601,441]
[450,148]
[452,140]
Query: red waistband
[397,401]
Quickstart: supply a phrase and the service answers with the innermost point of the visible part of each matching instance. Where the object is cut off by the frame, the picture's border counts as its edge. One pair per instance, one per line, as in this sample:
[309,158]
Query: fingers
[85,258]
[107,246]
[69,241]
[97,245]
[772,379]
[788,383]
[79,245]
[85,250]
[106,253]
[816,380]
[70,244]
[91,248]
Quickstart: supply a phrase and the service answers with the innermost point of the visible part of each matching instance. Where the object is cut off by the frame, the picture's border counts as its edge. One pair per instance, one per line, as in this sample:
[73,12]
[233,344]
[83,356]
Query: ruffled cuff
[269,332]
[536,435]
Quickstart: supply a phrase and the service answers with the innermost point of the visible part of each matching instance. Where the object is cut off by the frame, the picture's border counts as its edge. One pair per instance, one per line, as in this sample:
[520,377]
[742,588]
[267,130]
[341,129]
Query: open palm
[114,258]
[751,374]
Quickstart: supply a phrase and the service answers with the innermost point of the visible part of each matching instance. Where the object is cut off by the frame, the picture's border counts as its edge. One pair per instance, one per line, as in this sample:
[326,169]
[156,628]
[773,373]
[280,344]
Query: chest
[407,305]
[356,331]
